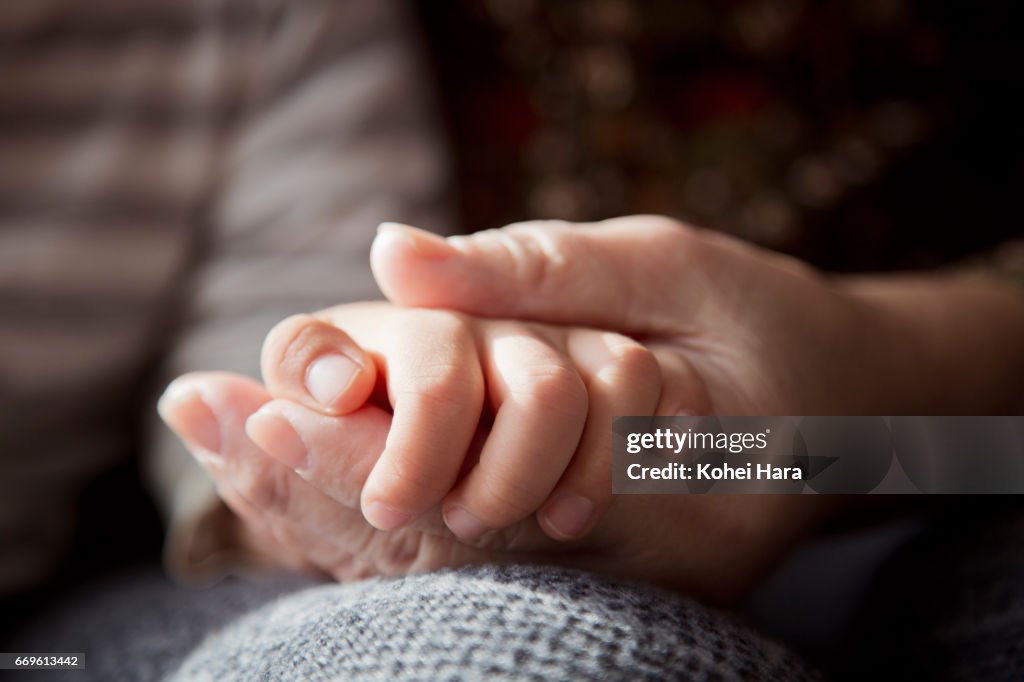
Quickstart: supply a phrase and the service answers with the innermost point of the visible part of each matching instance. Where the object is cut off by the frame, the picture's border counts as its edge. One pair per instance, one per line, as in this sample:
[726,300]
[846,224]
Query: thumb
[629,274]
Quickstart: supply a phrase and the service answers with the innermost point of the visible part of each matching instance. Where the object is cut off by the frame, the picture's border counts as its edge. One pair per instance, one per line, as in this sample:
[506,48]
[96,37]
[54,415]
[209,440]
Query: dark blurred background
[861,135]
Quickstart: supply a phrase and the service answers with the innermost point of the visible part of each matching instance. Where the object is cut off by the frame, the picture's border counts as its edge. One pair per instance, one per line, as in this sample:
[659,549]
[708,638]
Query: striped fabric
[176,176]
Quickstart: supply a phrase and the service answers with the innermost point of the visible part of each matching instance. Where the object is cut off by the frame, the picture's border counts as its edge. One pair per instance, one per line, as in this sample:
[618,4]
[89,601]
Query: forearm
[940,344]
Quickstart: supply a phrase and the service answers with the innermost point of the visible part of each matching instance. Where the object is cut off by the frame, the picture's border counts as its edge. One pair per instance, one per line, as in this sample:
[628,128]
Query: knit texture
[522,623]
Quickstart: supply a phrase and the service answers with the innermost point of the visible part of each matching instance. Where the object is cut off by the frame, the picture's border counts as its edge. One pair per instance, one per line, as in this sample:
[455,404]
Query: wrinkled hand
[755,333]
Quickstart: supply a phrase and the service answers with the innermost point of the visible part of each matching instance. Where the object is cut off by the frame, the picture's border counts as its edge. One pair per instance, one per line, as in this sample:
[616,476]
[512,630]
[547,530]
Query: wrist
[937,345]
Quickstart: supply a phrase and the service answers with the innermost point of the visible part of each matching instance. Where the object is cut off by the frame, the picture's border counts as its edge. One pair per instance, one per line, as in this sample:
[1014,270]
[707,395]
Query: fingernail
[383,517]
[185,411]
[276,436]
[329,376]
[569,515]
[462,522]
[425,244]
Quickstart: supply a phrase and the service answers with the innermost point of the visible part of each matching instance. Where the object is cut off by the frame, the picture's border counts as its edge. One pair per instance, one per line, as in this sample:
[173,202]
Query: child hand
[546,394]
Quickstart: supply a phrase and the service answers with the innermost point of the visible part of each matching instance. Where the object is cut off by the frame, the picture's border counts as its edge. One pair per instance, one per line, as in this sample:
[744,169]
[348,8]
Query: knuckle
[440,388]
[539,253]
[631,363]
[670,223]
[512,537]
[285,332]
[407,481]
[683,390]
[343,568]
[682,241]
[352,569]
[399,552]
[507,499]
[435,354]
[280,337]
[553,387]
[293,343]
[269,488]
[249,515]
[669,227]
[435,370]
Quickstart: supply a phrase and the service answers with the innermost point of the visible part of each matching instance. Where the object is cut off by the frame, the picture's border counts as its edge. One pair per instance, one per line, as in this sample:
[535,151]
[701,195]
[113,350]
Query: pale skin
[482,435]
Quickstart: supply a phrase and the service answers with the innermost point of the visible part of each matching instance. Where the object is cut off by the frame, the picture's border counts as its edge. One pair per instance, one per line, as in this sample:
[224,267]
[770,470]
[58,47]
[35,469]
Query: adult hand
[766,334]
